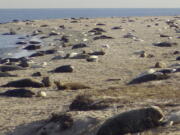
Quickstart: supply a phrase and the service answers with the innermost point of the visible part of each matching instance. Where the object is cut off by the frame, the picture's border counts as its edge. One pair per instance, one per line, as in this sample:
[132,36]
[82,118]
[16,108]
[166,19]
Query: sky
[89,3]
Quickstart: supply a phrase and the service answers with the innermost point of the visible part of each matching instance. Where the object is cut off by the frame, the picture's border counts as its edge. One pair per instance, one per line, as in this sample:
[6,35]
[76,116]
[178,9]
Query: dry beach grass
[107,78]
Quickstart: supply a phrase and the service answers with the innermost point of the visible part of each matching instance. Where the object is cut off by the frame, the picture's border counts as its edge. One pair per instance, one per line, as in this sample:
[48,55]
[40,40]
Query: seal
[24,83]
[5,68]
[149,77]
[132,121]
[70,86]
[5,74]
[18,93]
[63,69]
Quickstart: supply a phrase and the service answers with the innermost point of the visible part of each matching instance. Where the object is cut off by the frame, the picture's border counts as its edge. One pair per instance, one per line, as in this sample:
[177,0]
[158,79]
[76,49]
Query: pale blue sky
[89,3]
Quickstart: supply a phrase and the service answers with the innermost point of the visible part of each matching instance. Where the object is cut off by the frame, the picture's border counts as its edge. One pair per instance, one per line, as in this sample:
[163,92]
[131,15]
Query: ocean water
[7,43]
[7,15]
[9,49]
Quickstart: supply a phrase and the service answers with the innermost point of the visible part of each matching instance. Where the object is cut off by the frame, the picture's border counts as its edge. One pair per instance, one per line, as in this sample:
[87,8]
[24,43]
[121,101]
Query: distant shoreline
[7,15]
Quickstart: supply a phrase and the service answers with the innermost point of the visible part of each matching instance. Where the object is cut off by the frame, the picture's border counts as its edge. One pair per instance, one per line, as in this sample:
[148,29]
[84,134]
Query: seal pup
[132,121]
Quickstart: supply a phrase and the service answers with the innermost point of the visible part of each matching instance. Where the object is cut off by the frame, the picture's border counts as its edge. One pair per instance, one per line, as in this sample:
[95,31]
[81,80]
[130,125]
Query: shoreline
[106,54]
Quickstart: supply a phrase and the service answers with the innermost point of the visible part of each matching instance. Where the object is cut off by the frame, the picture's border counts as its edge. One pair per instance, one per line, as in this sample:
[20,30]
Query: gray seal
[132,121]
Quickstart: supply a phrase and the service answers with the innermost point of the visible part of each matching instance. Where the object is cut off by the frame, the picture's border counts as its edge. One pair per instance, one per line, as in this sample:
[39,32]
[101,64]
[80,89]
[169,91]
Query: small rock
[41,94]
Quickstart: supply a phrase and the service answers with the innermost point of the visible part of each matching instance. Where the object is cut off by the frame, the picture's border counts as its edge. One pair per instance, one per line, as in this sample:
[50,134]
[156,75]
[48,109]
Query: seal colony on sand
[101,58]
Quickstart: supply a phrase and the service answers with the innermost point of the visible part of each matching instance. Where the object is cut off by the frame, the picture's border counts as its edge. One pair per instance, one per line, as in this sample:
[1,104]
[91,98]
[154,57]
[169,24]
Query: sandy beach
[106,54]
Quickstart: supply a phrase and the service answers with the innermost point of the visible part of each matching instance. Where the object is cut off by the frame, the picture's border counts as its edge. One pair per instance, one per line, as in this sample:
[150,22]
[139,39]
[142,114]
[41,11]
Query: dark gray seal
[165,44]
[32,47]
[24,83]
[102,37]
[80,45]
[149,77]
[18,93]
[5,68]
[63,69]
[5,74]
[132,121]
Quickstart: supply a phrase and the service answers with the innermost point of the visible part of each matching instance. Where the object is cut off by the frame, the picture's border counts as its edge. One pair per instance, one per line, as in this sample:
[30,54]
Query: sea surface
[7,43]
[7,15]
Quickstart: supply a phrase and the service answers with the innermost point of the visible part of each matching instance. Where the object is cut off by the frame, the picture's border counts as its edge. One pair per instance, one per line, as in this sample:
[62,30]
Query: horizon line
[100,8]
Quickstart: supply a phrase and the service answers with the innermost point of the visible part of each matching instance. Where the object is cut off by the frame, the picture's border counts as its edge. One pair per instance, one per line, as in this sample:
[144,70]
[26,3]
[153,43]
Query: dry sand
[119,63]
